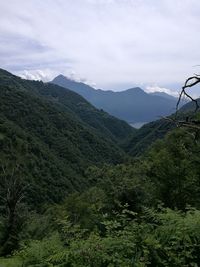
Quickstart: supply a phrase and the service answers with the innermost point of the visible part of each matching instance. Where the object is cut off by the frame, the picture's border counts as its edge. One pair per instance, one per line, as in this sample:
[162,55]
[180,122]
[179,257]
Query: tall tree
[12,192]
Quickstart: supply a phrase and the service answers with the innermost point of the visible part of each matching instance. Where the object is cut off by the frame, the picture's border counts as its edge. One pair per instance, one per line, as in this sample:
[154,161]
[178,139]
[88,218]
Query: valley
[99,133]
[79,185]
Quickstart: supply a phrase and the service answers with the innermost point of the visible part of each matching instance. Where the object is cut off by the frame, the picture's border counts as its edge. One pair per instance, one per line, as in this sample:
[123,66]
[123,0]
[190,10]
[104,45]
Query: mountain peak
[76,86]
[135,90]
[62,77]
[132,105]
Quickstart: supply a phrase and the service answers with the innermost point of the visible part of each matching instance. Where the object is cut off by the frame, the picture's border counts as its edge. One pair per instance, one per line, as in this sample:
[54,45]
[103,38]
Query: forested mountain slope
[144,137]
[147,135]
[190,106]
[111,214]
[54,135]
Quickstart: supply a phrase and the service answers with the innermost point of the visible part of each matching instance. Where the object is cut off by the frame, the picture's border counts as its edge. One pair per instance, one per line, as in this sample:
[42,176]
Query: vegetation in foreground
[145,213]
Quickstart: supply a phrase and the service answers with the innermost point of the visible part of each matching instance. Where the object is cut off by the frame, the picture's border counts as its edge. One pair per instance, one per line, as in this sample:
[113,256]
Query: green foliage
[45,130]
[141,212]
[42,129]
[174,169]
[86,209]
[38,251]
[11,262]
[144,137]
[13,212]
[123,184]
[106,124]
[153,238]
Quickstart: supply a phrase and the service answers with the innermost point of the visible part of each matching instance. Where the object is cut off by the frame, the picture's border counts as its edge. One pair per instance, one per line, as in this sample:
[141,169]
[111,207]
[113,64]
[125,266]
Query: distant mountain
[165,95]
[190,106]
[151,132]
[54,135]
[132,105]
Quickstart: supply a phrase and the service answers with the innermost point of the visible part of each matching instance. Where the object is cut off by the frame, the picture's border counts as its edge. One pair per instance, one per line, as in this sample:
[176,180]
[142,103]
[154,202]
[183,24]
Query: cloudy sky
[113,44]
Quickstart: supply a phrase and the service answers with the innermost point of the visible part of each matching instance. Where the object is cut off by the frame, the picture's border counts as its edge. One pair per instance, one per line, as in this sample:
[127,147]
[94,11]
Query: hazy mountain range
[132,105]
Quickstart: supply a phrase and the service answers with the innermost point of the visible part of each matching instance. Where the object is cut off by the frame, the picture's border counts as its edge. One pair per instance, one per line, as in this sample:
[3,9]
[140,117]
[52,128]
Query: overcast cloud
[115,44]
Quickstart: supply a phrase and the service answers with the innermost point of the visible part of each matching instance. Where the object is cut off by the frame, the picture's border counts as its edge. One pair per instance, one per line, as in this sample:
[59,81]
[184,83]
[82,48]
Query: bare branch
[189,84]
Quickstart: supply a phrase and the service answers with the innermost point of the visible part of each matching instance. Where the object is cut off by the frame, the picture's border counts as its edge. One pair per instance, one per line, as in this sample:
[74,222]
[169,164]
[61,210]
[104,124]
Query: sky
[109,44]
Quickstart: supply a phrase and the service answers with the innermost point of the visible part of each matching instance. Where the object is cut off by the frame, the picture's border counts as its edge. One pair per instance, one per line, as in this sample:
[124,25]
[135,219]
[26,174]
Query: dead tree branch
[190,82]
[188,122]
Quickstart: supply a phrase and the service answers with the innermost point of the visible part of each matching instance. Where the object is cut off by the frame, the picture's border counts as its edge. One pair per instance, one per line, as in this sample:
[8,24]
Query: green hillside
[190,106]
[52,135]
[69,195]
[144,137]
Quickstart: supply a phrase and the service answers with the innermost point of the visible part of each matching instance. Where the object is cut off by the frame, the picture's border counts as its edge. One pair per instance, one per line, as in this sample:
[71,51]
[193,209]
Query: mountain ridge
[132,105]
[46,129]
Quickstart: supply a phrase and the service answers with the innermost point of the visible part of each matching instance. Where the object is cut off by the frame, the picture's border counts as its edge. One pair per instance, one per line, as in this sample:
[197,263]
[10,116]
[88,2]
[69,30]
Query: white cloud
[156,88]
[47,74]
[116,41]
[37,75]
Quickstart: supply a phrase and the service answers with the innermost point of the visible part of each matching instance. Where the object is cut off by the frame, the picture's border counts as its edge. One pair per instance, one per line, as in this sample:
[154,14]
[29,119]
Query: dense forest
[81,188]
